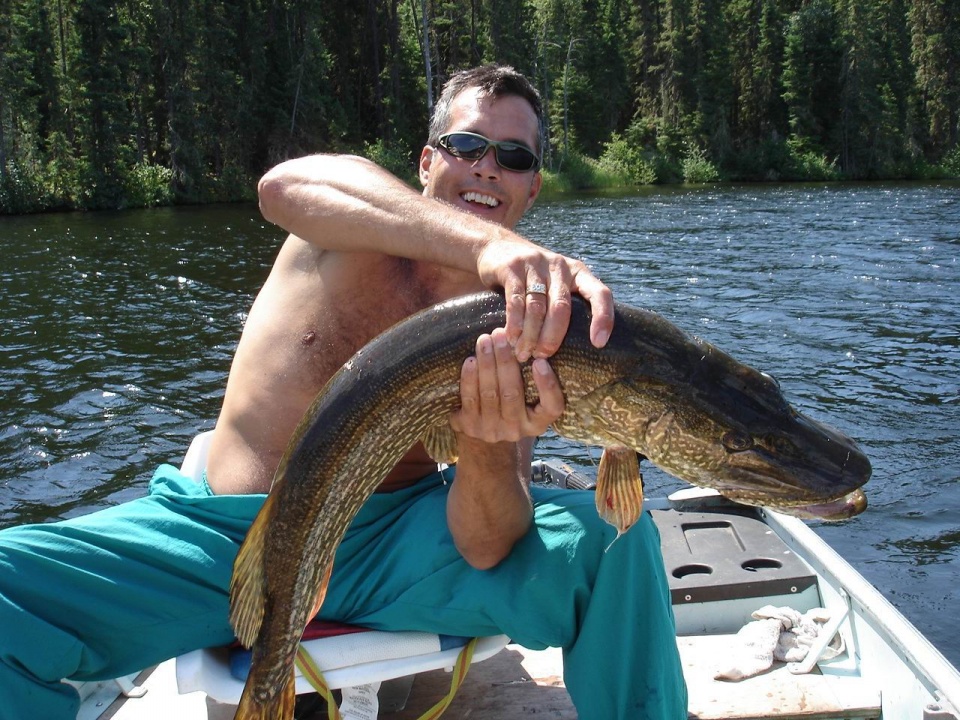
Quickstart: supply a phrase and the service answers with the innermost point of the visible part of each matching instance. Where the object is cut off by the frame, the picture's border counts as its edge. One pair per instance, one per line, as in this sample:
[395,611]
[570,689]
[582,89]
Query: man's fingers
[487,385]
[555,325]
[551,403]
[536,306]
[492,394]
[516,299]
[538,287]
[461,419]
[510,383]
[601,306]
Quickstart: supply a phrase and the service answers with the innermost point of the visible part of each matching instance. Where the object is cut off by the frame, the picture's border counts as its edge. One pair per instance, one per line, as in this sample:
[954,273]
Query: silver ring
[537,289]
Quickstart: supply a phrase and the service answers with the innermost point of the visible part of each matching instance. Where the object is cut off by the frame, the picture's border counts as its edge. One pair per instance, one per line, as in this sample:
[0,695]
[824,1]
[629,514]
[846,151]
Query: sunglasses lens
[515,157]
[469,147]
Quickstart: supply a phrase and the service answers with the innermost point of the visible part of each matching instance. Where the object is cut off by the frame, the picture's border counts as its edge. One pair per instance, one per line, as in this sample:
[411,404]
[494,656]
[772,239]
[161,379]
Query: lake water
[118,331]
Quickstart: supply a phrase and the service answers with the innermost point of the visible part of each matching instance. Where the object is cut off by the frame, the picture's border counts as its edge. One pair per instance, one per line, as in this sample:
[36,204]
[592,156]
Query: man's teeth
[483,199]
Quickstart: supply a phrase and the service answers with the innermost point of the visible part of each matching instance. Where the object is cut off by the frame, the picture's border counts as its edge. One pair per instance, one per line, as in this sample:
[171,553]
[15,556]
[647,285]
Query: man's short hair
[494,81]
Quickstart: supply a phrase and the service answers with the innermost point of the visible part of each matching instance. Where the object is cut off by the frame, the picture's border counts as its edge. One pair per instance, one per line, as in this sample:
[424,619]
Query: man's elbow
[271,192]
[488,552]
[484,558]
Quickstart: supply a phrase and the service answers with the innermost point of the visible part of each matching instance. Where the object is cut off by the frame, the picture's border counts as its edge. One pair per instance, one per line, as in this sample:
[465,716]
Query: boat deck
[517,683]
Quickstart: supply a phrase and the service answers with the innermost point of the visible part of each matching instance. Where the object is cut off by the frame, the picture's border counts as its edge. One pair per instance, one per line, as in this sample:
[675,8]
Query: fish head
[717,423]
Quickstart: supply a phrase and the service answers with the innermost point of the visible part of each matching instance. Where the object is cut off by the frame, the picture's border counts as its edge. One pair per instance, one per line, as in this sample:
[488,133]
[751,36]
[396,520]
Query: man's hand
[489,507]
[538,285]
[493,407]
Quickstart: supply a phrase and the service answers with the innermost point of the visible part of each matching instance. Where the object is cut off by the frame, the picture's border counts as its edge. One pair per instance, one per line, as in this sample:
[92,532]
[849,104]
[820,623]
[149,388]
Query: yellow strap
[459,673]
[315,677]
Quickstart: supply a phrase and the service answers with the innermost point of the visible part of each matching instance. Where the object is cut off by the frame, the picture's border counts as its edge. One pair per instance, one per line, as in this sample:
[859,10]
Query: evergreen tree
[510,24]
[105,140]
[811,77]
[935,33]
[107,103]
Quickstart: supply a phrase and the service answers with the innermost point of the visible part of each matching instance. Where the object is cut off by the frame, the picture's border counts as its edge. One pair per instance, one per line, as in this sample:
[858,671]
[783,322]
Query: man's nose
[487,167]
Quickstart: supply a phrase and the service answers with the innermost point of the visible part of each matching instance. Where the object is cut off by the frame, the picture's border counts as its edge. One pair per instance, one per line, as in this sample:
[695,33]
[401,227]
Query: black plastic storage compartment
[727,554]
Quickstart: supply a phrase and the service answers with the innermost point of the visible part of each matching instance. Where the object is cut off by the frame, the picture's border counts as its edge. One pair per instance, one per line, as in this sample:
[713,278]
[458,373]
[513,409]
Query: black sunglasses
[470,146]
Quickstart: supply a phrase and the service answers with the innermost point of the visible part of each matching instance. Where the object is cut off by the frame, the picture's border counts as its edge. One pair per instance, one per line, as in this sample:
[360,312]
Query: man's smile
[475,197]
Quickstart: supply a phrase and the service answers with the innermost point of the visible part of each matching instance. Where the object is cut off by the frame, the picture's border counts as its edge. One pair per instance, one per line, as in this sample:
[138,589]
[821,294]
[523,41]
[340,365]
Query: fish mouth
[843,508]
[839,508]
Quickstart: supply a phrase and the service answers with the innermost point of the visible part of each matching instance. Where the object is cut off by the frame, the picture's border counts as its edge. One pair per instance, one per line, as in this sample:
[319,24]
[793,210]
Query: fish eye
[736,441]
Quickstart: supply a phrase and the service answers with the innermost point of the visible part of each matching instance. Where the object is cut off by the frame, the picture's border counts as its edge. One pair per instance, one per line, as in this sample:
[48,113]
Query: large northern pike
[691,409]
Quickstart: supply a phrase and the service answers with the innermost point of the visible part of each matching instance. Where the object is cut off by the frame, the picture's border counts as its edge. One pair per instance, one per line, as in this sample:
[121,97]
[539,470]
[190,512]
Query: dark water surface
[118,331]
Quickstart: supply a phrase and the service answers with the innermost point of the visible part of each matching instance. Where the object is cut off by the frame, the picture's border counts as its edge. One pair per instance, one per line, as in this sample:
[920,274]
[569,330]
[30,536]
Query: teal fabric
[112,592]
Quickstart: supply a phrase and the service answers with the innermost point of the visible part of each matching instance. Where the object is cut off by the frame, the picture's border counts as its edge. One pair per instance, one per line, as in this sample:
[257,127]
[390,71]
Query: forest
[132,103]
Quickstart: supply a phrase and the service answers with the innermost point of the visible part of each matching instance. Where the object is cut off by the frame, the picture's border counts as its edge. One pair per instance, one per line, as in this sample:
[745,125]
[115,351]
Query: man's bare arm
[489,507]
[349,204]
[346,203]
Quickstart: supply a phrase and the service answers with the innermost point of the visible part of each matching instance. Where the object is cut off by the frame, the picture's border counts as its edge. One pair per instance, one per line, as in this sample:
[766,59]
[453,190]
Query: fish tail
[277,707]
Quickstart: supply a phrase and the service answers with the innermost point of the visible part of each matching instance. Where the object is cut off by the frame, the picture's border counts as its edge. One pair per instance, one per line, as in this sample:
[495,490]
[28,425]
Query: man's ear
[535,186]
[426,159]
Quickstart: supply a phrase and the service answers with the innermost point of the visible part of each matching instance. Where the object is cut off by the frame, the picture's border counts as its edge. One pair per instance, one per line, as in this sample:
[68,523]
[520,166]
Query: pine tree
[812,69]
[935,33]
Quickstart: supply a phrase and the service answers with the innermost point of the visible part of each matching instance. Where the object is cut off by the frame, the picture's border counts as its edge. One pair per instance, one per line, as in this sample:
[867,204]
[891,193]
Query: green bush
[951,162]
[578,172]
[628,161]
[149,185]
[393,158]
[807,163]
[21,191]
[697,168]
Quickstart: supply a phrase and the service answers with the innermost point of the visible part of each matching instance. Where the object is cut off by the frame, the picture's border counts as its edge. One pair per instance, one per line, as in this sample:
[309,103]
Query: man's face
[481,186]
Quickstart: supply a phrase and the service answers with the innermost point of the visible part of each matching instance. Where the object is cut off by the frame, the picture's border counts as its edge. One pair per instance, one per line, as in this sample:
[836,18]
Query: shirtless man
[360,237]
[480,555]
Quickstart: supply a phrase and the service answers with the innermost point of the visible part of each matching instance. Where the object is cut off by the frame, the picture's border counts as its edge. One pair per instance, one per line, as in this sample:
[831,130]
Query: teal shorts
[112,592]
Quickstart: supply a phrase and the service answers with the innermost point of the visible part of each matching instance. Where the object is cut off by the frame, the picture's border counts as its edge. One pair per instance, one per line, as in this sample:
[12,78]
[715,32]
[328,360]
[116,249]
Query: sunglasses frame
[507,145]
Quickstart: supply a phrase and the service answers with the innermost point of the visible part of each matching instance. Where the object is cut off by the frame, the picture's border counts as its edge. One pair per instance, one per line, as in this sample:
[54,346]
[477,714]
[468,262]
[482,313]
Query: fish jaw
[842,508]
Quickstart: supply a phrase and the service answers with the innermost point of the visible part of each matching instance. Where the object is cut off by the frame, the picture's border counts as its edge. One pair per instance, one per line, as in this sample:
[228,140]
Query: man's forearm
[349,204]
[489,507]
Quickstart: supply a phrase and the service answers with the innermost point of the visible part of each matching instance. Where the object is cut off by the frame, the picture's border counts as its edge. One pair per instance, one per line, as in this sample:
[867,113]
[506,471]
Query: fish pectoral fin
[441,443]
[619,491]
[247,585]
[322,592]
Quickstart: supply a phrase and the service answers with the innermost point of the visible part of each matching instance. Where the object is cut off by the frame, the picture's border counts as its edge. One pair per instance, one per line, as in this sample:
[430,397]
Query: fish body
[688,407]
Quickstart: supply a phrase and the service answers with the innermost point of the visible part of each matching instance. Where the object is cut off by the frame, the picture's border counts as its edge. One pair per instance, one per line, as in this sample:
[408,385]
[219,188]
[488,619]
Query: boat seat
[353,660]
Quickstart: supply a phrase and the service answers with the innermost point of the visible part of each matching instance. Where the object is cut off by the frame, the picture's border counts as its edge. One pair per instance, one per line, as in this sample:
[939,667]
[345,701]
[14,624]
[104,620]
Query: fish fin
[322,592]
[247,585]
[278,707]
[619,491]
[441,443]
